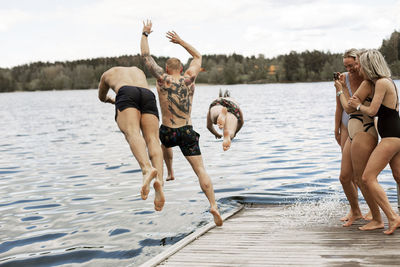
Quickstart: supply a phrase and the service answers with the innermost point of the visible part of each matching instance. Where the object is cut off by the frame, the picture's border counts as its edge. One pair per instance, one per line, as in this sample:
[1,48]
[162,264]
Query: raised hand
[173,37]
[147,26]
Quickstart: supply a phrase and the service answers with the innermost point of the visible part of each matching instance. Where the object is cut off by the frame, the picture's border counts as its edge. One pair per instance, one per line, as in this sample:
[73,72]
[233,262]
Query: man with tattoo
[136,114]
[175,93]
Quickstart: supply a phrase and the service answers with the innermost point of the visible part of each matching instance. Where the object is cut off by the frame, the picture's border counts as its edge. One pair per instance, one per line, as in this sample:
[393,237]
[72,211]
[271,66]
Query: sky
[61,30]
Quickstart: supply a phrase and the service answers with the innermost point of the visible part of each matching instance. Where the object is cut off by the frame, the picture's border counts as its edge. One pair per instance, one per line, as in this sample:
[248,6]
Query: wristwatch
[145,34]
[339,93]
[358,107]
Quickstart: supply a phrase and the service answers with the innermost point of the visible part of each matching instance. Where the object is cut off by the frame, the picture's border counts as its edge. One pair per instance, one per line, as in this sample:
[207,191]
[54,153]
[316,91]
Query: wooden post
[398,196]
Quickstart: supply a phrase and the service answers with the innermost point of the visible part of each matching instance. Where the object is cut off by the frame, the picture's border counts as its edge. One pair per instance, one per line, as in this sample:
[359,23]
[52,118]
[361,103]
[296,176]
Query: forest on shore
[307,66]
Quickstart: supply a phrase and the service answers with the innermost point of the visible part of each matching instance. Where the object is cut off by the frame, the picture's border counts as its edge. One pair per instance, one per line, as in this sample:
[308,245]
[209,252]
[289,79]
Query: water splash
[308,213]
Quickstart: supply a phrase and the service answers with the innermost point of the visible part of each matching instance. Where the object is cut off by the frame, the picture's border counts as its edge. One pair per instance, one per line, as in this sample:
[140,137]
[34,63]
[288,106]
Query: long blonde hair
[374,65]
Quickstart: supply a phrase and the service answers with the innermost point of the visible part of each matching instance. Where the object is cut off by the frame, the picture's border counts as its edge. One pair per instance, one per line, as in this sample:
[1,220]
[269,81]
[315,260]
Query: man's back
[176,96]
[117,77]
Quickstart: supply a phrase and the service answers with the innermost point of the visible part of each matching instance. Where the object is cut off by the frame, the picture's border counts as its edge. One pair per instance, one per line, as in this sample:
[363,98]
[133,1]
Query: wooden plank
[255,237]
[179,245]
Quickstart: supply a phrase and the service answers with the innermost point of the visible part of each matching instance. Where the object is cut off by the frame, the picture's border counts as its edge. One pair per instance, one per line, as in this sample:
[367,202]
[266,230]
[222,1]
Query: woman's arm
[342,93]
[338,120]
[371,110]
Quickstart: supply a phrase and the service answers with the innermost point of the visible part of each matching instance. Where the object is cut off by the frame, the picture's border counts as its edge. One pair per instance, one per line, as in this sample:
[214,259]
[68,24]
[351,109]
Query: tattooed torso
[175,100]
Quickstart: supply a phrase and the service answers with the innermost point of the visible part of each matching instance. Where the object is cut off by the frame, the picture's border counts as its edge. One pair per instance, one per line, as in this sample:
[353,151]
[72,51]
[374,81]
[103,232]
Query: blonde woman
[363,139]
[347,84]
[385,105]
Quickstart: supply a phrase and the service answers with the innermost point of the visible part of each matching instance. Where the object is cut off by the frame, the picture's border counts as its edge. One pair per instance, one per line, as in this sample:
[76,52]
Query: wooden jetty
[255,236]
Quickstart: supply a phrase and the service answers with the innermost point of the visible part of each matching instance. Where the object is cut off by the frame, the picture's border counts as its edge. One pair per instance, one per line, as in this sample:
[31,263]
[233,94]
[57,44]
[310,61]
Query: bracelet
[339,93]
[358,107]
[145,34]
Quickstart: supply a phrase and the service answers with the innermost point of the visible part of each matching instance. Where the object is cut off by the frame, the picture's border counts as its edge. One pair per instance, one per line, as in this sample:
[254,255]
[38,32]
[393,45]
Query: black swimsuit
[389,120]
[142,99]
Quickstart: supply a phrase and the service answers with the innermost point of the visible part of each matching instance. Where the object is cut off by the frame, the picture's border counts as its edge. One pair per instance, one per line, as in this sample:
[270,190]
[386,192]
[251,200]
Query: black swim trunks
[184,137]
[136,97]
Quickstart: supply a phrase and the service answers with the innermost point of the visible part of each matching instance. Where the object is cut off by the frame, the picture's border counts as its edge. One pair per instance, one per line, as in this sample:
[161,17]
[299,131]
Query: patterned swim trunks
[230,106]
[185,137]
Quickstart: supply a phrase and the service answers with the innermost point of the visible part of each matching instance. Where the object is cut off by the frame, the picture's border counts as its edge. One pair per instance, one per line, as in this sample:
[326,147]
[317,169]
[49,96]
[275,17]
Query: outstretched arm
[103,90]
[211,128]
[195,65]
[149,61]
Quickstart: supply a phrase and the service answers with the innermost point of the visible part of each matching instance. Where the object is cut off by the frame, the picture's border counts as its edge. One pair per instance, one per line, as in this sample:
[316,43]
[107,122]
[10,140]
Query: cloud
[12,17]
[68,30]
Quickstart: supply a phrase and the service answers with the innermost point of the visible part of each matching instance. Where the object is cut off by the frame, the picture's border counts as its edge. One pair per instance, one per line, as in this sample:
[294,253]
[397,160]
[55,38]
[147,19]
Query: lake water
[70,187]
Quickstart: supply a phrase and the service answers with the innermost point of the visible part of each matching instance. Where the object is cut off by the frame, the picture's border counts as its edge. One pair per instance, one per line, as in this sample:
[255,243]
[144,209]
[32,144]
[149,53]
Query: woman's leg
[387,150]
[349,188]
[361,148]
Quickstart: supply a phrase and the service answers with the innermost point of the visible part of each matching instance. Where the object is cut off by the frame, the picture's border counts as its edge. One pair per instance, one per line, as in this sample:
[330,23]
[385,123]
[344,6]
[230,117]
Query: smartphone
[336,76]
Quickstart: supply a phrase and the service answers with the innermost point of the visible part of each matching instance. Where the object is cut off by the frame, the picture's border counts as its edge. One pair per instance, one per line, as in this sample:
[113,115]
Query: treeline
[306,66]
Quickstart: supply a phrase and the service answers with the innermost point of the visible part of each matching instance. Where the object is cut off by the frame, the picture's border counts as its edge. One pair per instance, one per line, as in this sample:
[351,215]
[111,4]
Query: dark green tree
[291,66]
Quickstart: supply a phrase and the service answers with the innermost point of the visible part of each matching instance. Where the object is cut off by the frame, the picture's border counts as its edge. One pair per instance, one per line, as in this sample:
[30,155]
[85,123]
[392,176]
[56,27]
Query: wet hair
[374,65]
[352,52]
[173,64]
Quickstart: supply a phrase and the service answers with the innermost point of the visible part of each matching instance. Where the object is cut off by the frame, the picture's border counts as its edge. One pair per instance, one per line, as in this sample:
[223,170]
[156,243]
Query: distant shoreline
[153,85]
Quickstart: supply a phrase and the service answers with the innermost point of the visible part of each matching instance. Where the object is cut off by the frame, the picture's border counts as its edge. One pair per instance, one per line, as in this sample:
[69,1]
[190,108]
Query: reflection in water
[70,187]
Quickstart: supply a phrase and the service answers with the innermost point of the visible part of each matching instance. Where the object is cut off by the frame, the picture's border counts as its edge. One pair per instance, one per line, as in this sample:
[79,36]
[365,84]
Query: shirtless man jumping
[136,114]
[175,92]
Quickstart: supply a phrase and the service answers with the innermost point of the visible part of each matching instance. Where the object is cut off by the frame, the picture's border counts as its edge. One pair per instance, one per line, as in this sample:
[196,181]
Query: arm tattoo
[152,66]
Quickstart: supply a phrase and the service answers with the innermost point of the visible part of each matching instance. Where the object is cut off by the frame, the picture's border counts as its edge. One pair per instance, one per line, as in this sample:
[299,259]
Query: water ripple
[69,256]
[6,246]
[24,201]
[77,173]
[42,207]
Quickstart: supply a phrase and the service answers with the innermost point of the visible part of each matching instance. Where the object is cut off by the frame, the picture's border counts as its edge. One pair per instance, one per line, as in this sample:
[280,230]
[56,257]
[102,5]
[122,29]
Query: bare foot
[217,217]
[170,178]
[372,225]
[144,192]
[222,117]
[346,218]
[159,199]
[226,144]
[368,217]
[352,219]
[393,225]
